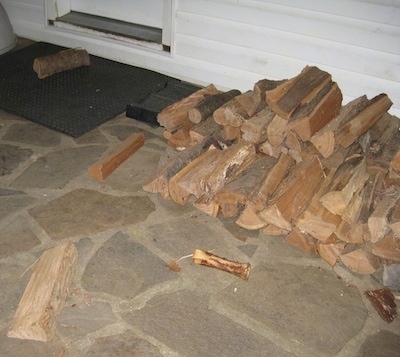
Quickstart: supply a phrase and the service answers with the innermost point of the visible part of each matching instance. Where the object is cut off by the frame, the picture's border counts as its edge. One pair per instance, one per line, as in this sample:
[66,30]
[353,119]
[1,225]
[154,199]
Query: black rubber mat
[75,101]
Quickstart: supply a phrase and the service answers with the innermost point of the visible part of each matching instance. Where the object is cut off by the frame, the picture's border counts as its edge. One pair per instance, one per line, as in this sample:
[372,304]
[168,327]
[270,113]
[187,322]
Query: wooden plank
[38,311]
[106,165]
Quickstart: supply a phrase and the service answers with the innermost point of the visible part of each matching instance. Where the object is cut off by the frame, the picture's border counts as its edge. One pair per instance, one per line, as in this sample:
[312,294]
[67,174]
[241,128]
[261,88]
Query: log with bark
[383,302]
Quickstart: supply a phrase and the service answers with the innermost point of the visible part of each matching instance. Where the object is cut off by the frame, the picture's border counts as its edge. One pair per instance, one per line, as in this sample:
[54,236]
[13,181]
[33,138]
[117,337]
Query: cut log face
[301,240]
[255,128]
[360,261]
[330,252]
[387,248]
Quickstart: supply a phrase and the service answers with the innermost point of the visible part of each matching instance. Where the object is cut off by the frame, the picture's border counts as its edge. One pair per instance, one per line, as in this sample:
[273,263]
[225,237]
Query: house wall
[234,43]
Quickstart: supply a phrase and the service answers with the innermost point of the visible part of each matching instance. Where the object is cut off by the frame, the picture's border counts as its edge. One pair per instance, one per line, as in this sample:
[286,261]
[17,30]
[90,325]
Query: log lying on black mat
[60,62]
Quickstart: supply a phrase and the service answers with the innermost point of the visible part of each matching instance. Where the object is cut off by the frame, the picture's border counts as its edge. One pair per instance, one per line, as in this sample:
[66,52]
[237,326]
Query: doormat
[76,101]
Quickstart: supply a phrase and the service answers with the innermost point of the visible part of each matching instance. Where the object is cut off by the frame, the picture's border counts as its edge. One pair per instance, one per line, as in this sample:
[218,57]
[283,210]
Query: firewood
[252,102]
[395,163]
[383,302]
[230,132]
[267,148]
[292,141]
[38,311]
[360,260]
[158,183]
[175,115]
[269,183]
[219,114]
[234,160]
[181,139]
[297,92]
[272,230]
[106,165]
[203,130]
[231,113]
[349,178]
[394,221]
[188,181]
[387,248]
[301,240]
[276,130]
[209,104]
[294,194]
[330,252]
[319,112]
[208,259]
[59,62]
[362,122]
[208,206]
[255,128]
[324,139]
[232,196]
[378,221]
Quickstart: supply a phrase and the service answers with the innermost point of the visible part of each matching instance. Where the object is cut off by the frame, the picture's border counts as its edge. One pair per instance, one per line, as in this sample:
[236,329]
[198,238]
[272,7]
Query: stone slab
[11,157]
[32,134]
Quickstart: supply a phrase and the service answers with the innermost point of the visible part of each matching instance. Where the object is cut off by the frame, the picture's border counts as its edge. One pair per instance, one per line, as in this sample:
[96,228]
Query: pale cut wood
[219,114]
[180,139]
[235,114]
[387,248]
[106,165]
[352,130]
[252,102]
[208,259]
[294,194]
[324,139]
[276,130]
[262,86]
[360,261]
[158,183]
[175,115]
[267,148]
[301,240]
[203,130]
[272,230]
[330,252]
[297,92]
[38,311]
[349,178]
[255,128]
[249,218]
[208,206]
[350,232]
[292,141]
[187,181]
[306,124]
[395,163]
[395,221]
[378,221]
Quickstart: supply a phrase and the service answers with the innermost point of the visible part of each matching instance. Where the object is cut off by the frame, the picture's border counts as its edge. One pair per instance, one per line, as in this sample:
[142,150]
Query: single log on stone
[188,181]
[349,178]
[175,115]
[324,139]
[330,251]
[387,248]
[360,260]
[294,194]
[297,92]
[301,240]
[378,221]
[38,311]
[106,165]
[59,62]
[158,183]
[208,259]
[209,104]
[319,112]
[275,173]
[384,303]
[255,128]
[352,130]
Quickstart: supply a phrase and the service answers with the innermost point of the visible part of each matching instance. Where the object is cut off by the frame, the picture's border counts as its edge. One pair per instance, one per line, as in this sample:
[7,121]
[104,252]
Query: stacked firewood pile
[288,158]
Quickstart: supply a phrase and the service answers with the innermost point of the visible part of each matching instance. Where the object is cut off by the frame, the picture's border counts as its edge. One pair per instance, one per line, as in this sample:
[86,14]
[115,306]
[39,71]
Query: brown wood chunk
[383,302]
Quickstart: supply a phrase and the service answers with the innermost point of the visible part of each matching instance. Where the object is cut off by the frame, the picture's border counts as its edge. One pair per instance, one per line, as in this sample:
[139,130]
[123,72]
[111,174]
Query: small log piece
[276,130]
[208,259]
[360,260]
[44,297]
[387,248]
[175,115]
[106,165]
[383,302]
[209,104]
[330,251]
[59,62]
[255,128]
[301,240]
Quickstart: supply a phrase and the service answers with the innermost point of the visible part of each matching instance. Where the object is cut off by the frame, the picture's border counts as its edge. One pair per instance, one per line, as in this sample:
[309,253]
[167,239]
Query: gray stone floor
[124,301]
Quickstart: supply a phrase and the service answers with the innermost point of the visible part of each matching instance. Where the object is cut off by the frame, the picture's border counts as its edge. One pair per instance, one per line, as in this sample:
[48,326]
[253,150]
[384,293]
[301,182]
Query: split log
[232,196]
[230,133]
[203,130]
[188,181]
[331,251]
[383,302]
[319,112]
[349,178]
[294,194]
[38,311]
[297,92]
[267,148]
[324,139]
[180,139]
[387,248]
[158,183]
[395,163]
[378,221]
[301,240]
[208,206]
[269,183]
[360,260]
[352,130]
[106,165]
[59,62]
[252,102]
[208,259]
[255,128]
[276,130]
[272,230]
[209,104]
[175,115]
[394,221]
